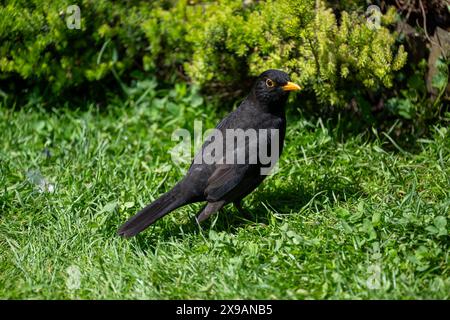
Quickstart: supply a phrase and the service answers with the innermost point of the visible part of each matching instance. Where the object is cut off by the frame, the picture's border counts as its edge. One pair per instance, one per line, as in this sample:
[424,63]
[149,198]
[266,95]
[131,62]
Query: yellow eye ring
[269,83]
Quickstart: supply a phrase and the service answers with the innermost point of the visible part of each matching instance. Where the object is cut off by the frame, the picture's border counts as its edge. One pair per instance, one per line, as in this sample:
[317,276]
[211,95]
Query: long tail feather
[157,209]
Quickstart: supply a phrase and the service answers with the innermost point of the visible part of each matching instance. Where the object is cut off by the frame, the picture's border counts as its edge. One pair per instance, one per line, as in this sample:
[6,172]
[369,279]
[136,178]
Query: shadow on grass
[395,133]
[290,199]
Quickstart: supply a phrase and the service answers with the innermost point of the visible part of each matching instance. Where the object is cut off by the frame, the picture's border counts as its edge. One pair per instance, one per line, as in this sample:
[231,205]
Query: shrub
[335,58]
[37,45]
[220,43]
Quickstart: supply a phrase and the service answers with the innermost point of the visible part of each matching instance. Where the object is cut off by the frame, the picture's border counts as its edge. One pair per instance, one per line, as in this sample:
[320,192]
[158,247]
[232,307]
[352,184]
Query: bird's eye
[269,83]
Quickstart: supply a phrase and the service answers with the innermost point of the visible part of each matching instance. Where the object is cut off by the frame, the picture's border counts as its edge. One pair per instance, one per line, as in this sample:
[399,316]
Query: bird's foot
[242,211]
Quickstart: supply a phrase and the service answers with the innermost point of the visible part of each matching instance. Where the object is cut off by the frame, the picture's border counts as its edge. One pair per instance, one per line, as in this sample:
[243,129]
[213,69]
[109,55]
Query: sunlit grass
[343,218]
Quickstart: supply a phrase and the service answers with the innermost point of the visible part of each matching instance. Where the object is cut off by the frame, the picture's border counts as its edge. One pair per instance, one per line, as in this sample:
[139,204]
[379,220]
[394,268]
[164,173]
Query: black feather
[157,209]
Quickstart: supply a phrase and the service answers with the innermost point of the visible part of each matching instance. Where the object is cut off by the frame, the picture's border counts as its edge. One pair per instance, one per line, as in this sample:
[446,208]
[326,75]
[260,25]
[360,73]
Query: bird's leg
[209,209]
[241,210]
[199,213]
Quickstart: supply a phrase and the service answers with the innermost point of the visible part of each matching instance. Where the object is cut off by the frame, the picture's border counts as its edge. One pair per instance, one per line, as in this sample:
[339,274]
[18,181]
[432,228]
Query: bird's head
[272,87]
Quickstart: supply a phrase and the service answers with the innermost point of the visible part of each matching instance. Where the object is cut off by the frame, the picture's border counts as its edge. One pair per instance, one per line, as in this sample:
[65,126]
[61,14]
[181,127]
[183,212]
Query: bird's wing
[228,181]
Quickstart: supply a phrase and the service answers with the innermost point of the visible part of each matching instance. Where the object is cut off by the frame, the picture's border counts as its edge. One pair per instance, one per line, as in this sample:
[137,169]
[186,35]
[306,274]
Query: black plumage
[222,183]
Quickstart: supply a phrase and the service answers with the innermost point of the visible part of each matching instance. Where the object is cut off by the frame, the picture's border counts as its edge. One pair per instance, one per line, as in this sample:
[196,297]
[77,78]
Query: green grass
[343,218]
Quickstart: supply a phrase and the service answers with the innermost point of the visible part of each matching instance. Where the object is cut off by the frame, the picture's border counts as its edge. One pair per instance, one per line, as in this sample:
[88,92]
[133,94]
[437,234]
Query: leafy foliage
[218,44]
[303,39]
[37,45]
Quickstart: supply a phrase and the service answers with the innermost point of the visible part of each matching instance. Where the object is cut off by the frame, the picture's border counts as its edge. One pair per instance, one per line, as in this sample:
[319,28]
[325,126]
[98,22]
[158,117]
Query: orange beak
[290,86]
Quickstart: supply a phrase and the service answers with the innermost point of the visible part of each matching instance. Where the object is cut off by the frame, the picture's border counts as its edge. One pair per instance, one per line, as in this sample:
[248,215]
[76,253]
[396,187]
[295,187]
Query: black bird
[223,182]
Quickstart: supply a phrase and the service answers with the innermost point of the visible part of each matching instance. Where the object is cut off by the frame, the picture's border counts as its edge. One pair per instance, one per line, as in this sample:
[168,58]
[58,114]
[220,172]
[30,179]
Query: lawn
[346,215]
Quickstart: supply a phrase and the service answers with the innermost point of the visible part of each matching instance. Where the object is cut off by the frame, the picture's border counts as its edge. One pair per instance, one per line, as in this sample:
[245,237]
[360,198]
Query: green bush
[37,45]
[335,59]
[213,43]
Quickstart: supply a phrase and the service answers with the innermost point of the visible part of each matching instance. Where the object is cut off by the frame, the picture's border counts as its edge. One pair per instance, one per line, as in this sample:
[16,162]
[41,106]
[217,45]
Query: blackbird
[222,182]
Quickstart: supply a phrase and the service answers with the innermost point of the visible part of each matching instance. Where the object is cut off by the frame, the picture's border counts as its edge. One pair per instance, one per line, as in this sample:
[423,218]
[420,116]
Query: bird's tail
[157,209]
